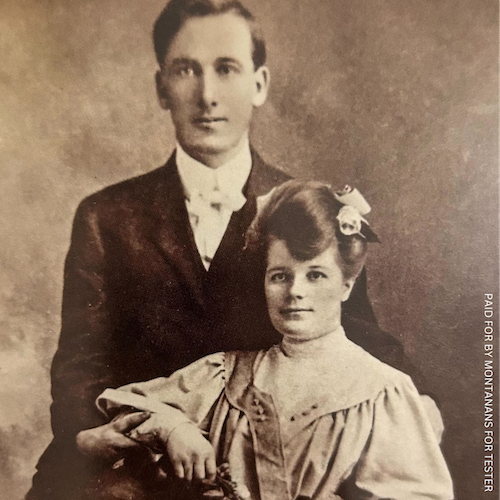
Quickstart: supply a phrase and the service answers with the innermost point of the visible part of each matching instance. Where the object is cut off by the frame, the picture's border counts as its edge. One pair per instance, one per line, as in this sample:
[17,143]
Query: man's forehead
[212,37]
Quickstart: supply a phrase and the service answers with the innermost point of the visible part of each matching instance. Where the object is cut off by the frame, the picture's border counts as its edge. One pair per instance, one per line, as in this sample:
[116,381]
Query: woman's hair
[304,215]
[177,12]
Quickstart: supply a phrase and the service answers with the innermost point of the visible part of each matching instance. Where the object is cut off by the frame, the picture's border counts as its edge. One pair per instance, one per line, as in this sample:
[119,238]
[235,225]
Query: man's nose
[208,90]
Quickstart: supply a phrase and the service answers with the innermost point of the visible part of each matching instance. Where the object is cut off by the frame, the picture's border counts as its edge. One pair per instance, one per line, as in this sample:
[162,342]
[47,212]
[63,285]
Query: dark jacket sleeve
[81,366]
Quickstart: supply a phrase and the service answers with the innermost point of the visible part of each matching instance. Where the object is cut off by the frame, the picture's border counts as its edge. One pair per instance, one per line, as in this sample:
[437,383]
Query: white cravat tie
[214,200]
[212,195]
[209,214]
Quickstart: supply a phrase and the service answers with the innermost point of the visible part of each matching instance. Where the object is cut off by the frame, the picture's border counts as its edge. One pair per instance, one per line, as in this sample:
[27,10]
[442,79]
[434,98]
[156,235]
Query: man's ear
[161,91]
[349,284]
[262,80]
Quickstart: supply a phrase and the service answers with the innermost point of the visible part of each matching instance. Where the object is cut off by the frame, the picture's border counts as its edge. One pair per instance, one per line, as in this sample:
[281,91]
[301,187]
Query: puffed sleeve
[434,416]
[402,459]
[185,397]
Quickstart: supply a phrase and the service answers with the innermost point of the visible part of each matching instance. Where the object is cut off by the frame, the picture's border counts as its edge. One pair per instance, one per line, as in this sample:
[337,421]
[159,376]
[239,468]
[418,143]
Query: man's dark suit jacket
[138,304]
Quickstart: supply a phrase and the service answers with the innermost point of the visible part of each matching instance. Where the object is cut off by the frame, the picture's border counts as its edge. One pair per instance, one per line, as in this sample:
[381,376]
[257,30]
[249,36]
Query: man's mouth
[292,310]
[209,120]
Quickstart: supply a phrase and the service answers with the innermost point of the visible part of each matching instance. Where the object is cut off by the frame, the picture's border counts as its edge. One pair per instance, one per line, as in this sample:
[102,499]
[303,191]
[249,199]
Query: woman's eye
[316,275]
[278,277]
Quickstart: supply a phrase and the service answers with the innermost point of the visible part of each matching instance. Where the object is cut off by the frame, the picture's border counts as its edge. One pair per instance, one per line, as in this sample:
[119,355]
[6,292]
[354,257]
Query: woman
[313,417]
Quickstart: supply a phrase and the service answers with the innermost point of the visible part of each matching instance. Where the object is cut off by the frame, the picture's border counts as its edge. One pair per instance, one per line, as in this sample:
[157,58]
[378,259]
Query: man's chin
[211,149]
[210,141]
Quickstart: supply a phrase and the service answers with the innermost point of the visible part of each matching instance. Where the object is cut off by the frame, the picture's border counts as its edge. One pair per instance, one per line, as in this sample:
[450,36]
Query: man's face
[209,84]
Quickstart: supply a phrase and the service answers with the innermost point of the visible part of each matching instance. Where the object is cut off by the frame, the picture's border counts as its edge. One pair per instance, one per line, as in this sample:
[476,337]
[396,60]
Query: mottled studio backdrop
[398,97]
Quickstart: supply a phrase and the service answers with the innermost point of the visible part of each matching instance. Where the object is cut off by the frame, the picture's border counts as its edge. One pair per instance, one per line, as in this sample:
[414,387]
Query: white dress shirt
[212,195]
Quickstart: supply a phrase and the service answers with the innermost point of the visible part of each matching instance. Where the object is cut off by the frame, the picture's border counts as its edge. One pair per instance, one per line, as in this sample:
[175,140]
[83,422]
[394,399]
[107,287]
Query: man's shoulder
[134,192]
[139,185]
[141,191]
[265,176]
[276,174]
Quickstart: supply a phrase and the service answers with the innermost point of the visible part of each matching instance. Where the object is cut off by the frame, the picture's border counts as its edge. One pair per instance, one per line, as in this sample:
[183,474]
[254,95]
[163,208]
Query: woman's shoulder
[246,361]
[208,366]
[363,378]
[377,372]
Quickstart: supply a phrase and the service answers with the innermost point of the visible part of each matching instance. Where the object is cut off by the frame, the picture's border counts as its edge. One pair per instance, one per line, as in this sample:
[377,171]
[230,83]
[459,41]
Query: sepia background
[398,98]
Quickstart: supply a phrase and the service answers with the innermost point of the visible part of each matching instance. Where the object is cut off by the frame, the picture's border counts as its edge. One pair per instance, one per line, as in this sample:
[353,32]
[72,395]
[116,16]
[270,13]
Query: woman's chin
[297,335]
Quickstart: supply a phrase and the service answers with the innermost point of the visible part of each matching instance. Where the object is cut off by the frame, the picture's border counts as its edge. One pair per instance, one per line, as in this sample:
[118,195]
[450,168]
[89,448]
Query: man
[156,276]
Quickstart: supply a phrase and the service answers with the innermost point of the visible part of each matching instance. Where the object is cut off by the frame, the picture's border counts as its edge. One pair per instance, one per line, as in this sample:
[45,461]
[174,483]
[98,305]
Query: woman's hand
[109,441]
[190,453]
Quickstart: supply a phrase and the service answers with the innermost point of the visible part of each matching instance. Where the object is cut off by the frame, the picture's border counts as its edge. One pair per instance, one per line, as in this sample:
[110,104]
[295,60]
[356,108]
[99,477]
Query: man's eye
[184,71]
[316,275]
[227,69]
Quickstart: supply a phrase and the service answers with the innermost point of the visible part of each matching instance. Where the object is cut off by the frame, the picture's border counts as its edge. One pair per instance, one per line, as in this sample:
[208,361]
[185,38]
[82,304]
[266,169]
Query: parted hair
[304,215]
[177,12]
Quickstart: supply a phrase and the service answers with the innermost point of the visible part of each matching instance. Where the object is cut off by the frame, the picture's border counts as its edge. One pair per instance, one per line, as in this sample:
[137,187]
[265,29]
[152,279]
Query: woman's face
[304,297]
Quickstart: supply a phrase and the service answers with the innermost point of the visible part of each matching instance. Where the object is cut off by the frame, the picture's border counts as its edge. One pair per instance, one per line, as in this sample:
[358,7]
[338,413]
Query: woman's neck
[312,348]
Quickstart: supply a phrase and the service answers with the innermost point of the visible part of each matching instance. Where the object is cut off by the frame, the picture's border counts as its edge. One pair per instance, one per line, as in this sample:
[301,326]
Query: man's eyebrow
[229,60]
[181,60]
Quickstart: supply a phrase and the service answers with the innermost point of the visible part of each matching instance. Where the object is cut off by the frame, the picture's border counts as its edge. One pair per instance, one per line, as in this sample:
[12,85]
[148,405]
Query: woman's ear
[349,284]
[161,91]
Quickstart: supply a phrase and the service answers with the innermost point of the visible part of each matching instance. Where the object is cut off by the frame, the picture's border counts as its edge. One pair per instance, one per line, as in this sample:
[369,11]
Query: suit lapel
[175,237]
[172,230]
[260,182]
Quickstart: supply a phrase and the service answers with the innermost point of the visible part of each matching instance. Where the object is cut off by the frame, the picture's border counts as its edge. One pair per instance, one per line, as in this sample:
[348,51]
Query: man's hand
[190,453]
[109,441]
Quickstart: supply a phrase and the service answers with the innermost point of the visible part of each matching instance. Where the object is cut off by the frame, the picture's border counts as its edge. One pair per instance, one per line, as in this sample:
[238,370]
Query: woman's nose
[297,288]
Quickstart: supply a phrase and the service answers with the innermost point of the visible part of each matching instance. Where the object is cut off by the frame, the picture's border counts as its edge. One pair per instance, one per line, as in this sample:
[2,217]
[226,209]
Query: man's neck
[215,161]
[230,177]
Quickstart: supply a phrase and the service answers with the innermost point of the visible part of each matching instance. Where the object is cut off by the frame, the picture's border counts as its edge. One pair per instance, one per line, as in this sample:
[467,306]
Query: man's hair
[304,215]
[177,12]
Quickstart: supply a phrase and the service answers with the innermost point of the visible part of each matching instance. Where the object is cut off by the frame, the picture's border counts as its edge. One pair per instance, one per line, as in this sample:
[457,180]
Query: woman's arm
[173,408]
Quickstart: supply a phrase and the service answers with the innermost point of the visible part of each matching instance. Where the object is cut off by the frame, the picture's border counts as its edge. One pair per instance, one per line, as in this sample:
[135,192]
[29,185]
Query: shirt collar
[229,178]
